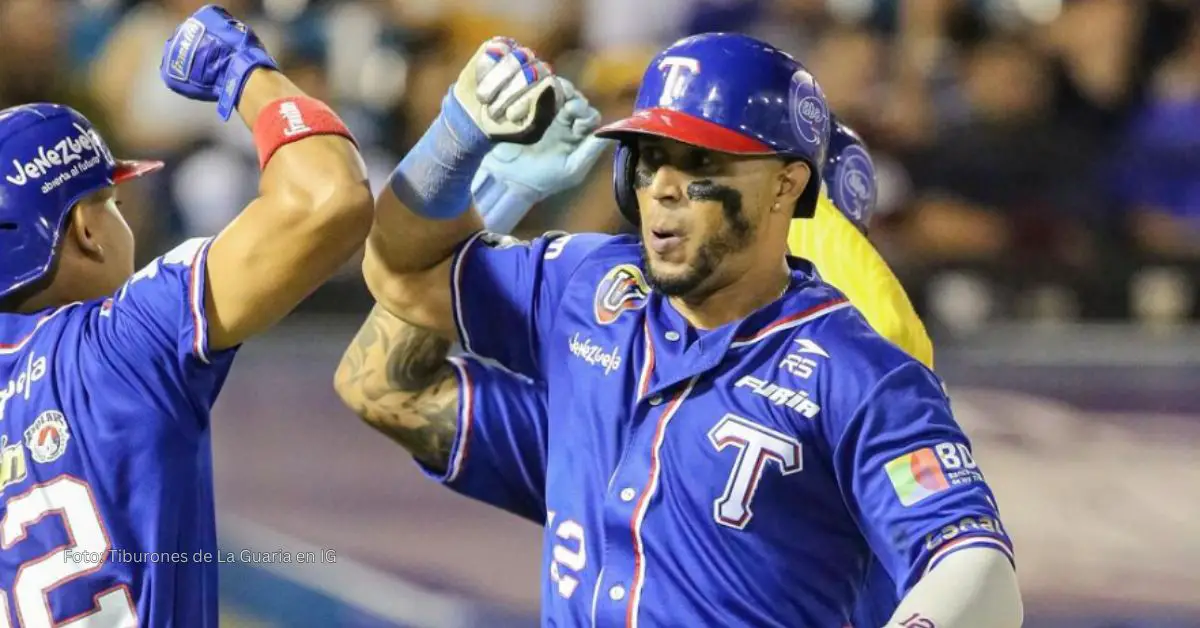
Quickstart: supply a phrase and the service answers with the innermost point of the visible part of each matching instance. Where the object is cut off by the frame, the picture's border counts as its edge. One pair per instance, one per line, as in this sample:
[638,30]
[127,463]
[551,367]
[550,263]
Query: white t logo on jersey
[757,445]
[679,71]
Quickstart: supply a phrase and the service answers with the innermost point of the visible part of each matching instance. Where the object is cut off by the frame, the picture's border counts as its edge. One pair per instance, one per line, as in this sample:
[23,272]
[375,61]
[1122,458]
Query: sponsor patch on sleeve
[928,471]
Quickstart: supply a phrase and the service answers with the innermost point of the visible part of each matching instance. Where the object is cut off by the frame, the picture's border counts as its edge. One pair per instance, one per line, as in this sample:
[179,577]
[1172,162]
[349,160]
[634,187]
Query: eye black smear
[706,190]
[731,203]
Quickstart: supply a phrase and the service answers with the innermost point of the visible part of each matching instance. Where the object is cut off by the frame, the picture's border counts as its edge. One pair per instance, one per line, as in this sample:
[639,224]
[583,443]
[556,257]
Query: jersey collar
[682,352]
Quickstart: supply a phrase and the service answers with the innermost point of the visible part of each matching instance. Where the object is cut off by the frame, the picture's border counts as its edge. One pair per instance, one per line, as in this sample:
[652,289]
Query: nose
[666,186]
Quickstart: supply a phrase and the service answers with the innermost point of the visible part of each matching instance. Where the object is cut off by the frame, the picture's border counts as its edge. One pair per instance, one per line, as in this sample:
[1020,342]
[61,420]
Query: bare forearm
[420,218]
[425,212]
[408,243]
[312,214]
[396,378]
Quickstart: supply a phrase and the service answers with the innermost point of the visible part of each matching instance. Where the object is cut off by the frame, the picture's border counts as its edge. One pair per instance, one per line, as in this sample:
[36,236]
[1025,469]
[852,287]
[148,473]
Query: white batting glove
[510,94]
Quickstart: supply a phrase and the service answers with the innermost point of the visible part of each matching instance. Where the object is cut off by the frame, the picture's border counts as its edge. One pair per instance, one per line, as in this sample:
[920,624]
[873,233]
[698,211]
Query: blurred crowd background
[1038,159]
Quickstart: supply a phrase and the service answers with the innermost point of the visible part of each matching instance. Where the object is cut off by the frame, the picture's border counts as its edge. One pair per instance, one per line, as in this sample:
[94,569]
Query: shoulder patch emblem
[622,288]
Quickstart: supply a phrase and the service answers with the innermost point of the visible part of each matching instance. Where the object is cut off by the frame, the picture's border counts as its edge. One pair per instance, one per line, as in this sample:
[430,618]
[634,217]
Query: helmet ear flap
[625,160]
[806,205]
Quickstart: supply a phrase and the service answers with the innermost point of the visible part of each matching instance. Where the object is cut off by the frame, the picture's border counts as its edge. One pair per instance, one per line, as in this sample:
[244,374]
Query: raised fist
[559,161]
[510,94]
[210,56]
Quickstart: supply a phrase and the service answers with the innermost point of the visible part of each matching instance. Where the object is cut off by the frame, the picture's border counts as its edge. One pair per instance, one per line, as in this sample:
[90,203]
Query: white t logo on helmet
[679,72]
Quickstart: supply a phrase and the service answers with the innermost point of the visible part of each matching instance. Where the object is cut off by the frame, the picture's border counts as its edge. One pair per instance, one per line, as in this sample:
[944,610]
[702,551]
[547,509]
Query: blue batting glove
[514,177]
[210,56]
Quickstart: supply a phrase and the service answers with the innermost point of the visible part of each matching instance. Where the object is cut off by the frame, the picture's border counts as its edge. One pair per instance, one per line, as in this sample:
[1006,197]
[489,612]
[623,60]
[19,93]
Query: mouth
[664,241]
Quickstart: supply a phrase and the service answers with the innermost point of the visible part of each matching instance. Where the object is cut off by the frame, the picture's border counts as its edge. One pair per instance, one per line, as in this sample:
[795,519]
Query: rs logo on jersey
[622,288]
[797,363]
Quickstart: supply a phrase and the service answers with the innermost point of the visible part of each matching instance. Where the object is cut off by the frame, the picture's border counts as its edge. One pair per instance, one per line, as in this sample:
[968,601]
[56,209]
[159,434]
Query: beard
[735,235]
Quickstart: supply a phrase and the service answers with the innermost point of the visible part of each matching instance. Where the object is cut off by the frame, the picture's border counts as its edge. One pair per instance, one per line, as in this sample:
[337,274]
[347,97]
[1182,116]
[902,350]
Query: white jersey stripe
[466,415]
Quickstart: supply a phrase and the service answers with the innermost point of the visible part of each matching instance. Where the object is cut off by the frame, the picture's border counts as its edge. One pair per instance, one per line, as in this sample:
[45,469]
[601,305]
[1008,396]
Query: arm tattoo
[396,377]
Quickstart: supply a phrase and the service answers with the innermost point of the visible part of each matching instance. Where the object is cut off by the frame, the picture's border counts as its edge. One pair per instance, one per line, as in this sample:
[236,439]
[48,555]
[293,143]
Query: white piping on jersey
[20,344]
[466,421]
[456,292]
[466,414]
[811,315]
[199,322]
[970,541]
[648,363]
[596,594]
[639,513]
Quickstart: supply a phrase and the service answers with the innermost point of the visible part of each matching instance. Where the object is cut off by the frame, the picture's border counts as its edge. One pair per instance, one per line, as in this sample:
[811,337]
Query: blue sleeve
[499,453]
[907,471]
[505,293]
[152,334]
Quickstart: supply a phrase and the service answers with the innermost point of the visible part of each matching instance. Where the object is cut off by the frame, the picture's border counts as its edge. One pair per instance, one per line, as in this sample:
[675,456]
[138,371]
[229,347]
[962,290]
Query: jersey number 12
[88,548]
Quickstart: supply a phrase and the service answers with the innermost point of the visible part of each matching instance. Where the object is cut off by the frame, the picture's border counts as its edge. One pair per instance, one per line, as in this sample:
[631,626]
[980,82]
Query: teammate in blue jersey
[107,376]
[723,440]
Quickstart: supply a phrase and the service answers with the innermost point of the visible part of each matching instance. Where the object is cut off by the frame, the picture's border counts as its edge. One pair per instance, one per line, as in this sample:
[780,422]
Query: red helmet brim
[686,128]
[132,169]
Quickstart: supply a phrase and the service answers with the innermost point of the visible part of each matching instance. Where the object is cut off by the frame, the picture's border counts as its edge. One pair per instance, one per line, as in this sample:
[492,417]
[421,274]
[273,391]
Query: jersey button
[656,400]
[672,336]
[617,593]
[628,494]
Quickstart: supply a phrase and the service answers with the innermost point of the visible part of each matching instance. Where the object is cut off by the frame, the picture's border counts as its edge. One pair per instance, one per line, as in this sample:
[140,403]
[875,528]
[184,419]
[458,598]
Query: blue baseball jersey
[744,475]
[510,472]
[106,465]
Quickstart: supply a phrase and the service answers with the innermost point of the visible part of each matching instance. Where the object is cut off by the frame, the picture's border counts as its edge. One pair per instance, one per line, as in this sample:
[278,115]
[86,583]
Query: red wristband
[291,119]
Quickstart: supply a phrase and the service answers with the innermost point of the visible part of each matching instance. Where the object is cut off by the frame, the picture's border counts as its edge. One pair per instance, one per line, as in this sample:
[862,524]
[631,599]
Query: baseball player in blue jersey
[107,376]
[714,436]
[510,181]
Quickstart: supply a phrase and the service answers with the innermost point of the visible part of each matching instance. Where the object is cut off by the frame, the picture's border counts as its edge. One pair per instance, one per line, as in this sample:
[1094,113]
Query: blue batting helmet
[51,157]
[850,175]
[729,93]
